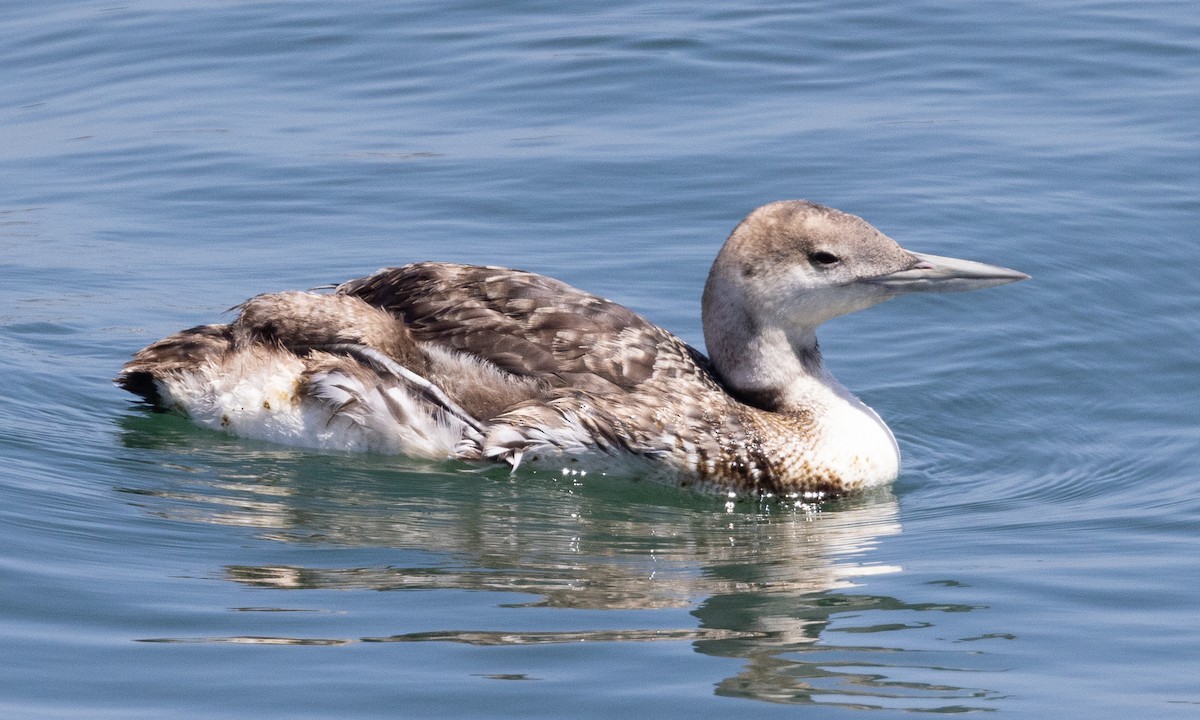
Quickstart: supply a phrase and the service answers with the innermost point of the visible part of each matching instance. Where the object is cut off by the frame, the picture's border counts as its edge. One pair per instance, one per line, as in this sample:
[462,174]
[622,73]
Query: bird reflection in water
[763,579]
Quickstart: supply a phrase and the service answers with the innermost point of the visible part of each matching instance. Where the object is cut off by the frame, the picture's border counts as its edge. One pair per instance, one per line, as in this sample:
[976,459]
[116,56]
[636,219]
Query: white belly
[266,395]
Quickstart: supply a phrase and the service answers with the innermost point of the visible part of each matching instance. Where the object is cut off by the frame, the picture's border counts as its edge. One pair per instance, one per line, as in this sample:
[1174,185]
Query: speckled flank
[494,364]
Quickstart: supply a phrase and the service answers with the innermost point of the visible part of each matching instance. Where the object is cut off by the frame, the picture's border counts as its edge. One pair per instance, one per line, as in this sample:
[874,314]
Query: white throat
[850,439]
[781,370]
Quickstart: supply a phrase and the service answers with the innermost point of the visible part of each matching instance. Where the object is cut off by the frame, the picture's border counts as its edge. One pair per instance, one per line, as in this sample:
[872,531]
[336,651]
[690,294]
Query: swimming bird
[441,360]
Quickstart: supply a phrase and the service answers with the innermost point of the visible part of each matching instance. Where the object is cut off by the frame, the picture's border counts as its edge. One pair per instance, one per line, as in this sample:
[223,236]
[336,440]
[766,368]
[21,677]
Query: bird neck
[781,373]
[773,368]
[766,360]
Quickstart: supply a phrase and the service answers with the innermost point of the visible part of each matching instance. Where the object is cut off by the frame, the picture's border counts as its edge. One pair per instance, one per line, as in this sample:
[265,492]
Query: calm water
[162,161]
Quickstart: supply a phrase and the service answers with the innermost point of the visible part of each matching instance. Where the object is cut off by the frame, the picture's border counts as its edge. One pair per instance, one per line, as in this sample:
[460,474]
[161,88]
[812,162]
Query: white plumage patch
[268,395]
[571,447]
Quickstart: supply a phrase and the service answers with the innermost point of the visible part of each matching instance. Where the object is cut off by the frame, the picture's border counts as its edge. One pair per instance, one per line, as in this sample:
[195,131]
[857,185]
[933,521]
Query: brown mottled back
[530,325]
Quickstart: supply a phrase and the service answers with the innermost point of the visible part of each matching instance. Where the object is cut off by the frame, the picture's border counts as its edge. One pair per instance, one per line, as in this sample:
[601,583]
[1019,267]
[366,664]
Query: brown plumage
[448,360]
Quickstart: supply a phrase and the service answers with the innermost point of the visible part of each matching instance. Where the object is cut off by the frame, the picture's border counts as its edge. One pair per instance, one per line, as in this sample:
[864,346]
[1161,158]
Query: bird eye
[821,257]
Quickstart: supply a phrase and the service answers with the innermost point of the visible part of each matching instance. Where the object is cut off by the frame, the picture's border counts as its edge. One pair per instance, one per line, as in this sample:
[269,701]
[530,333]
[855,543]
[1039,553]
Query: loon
[448,361]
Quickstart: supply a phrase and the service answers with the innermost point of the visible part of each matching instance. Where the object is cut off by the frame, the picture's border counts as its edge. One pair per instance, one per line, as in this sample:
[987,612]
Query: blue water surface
[163,161]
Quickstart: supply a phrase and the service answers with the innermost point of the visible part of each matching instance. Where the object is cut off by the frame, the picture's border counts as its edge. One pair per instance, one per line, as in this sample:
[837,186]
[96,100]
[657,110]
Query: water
[1037,557]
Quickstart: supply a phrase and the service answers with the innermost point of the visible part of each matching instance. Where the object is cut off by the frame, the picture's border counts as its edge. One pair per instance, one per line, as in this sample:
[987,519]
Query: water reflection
[764,580]
[571,549]
[803,661]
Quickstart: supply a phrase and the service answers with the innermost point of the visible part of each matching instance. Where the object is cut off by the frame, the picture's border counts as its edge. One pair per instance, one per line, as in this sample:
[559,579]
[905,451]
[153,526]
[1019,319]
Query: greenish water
[1037,557]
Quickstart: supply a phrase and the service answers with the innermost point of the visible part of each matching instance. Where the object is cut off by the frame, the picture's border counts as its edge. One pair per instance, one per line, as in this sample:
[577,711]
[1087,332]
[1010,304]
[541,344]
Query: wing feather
[531,325]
